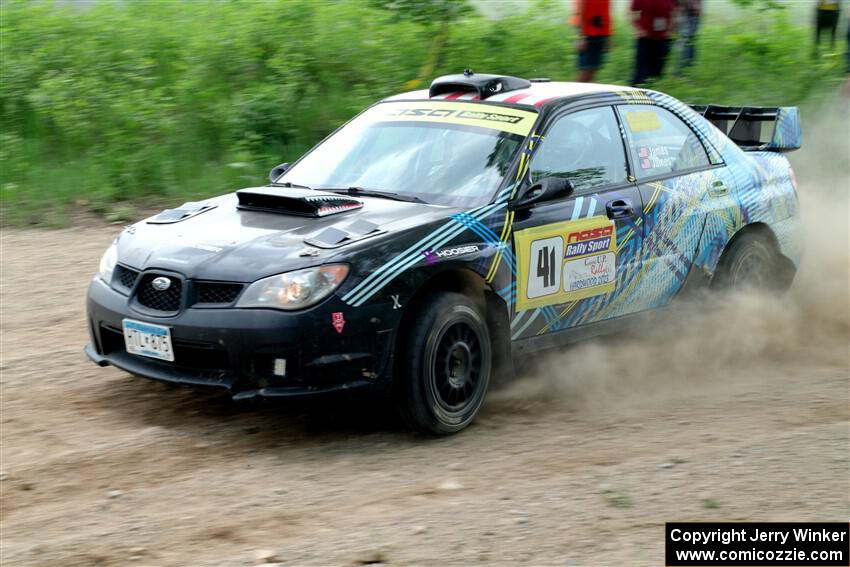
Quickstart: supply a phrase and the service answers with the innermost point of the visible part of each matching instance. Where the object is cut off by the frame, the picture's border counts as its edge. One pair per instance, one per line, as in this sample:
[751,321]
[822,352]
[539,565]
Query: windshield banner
[499,118]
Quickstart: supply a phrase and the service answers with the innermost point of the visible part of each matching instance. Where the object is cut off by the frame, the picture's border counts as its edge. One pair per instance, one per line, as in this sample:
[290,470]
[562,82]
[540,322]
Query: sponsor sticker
[505,119]
[449,112]
[587,274]
[565,261]
[654,157]
[432,257]
[459,251]
[642,120]
[338,321]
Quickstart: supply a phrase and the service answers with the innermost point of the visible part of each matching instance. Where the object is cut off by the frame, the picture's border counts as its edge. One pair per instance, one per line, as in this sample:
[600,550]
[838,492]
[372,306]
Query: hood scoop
[298,202]
[334,237]
[181,213]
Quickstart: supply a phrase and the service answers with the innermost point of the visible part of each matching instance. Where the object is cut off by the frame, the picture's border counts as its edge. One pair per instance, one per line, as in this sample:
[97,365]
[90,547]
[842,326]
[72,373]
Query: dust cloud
[730,341]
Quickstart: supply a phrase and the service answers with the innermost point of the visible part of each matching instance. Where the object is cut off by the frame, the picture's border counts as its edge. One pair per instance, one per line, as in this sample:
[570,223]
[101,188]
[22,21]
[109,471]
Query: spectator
[653,21]
[826,20]
[847,68]
[593,20]
[688,25]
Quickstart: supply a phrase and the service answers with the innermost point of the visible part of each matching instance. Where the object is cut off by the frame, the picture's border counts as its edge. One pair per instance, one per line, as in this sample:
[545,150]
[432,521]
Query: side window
[585,147]
[659,142]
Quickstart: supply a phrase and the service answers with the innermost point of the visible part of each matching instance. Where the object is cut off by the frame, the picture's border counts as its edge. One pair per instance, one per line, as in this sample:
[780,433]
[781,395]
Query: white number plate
[149,340]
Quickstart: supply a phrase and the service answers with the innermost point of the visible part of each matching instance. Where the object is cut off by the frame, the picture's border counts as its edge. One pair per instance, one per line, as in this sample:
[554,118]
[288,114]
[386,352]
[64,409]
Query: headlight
[294,290]
[107,263]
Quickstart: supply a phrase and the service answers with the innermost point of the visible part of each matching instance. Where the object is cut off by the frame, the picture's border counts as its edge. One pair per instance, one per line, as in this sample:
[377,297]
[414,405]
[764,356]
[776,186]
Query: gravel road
[722,410]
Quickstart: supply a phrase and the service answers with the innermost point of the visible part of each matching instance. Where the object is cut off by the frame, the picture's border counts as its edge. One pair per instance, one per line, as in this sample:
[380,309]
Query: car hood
[220,241]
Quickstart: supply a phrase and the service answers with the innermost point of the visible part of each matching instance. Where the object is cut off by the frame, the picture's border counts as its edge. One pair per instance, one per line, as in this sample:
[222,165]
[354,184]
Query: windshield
[444,153]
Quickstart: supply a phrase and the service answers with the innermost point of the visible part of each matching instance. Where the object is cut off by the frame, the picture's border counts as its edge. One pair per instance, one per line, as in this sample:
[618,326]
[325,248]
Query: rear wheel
[443,365]
[751,261]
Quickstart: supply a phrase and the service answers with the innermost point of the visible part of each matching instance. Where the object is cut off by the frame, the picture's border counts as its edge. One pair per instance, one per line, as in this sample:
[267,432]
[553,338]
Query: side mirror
[278,171]
[547,189]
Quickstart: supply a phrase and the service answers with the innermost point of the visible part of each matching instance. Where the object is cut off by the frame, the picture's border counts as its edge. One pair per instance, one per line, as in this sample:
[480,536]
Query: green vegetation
[151,103]
[617,498]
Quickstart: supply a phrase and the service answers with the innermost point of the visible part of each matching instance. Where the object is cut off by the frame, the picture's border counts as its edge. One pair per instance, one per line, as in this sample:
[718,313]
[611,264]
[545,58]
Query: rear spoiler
[756,128]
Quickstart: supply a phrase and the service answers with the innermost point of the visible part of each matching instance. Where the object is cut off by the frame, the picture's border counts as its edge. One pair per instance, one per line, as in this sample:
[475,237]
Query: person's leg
[651,58]
[662,50]
[681,44]
[590,58]
[640,61]
[847,62]
[583,71]
[690,50]
[604,43]
[833,28]
[848,48]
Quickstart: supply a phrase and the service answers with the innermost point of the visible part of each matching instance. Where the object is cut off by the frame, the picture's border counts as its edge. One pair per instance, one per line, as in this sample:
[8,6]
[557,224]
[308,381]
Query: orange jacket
[592,17]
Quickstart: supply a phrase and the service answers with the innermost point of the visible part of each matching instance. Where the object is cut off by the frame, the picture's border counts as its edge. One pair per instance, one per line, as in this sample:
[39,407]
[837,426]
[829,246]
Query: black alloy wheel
[443,365]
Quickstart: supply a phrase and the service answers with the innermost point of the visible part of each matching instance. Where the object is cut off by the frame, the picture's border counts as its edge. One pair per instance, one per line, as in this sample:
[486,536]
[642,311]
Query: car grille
[159,300]
[170,300]
[125,277]
[209,292]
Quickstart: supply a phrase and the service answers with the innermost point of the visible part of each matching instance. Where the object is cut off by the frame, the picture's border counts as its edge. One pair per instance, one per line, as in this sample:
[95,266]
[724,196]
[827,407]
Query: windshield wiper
[362,191]
[290,185]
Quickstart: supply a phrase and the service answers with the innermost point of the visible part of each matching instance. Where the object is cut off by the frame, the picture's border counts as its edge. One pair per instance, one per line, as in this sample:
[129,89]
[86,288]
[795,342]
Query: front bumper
[234,350]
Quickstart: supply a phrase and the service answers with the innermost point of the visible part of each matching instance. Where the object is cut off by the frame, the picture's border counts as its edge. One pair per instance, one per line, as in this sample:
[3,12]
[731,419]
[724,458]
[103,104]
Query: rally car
[443,235]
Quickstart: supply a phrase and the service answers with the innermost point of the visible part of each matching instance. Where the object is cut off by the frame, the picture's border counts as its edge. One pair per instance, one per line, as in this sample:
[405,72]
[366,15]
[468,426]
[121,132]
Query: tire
[444,361]
[750,262]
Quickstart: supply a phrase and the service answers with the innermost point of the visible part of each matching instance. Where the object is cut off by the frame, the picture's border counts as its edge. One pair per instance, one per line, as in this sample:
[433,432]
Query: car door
[575,255]
[674,175]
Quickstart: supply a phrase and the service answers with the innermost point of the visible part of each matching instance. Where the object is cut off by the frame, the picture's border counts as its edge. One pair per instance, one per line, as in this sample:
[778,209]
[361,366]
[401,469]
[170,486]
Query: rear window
[659,142]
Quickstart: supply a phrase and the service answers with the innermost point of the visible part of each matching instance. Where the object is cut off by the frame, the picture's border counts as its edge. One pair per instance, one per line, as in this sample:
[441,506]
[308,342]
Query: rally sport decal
[565,261]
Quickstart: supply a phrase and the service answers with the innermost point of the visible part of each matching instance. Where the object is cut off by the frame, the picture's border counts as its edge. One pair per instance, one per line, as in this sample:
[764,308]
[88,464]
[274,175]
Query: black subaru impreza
[439,236]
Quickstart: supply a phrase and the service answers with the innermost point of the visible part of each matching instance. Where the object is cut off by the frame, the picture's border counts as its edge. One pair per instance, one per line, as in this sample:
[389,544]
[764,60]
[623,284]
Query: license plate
[149,340]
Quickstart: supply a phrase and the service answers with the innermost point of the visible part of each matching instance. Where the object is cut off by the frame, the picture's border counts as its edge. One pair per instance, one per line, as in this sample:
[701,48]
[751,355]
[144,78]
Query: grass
[617,498]
[119,105]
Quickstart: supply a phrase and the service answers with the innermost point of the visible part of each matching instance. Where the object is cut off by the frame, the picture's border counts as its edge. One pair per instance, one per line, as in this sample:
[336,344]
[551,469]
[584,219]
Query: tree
[437,17]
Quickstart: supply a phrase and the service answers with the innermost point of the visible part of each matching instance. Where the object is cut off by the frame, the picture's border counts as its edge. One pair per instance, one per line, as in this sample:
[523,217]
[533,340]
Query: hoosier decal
[565,261]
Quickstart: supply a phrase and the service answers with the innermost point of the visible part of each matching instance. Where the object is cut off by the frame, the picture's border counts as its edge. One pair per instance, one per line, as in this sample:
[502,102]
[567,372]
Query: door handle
[619,208]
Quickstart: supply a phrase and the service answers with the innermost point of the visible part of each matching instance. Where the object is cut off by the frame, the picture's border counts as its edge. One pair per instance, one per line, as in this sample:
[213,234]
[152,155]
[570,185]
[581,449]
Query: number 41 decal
[544,274]
[565,261]
[546,265]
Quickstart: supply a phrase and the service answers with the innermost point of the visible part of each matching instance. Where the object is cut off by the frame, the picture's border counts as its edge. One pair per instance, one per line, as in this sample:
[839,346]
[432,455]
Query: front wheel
[443,365]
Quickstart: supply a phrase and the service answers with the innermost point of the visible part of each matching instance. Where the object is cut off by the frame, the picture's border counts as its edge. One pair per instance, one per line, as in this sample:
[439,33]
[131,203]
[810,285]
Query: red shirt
[654,17]
[594,17]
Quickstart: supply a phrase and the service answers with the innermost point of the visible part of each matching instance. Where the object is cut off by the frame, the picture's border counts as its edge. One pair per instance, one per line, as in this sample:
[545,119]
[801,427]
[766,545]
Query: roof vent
[483,85]
[540,80]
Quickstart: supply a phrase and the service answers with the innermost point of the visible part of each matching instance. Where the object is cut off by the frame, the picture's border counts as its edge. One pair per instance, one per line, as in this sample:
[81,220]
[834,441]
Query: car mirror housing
[547,189]
[278,171]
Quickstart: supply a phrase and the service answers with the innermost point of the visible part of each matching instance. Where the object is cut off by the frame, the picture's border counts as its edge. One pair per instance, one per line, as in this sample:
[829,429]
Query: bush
[158,102]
